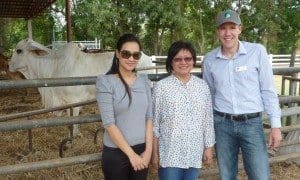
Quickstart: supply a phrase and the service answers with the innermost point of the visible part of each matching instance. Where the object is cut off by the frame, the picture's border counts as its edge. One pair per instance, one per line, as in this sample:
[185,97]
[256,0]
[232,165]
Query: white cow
[36,61]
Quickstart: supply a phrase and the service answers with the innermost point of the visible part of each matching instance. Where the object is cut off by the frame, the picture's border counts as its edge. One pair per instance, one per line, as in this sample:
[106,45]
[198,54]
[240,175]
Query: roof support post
[29,27]
[68,20]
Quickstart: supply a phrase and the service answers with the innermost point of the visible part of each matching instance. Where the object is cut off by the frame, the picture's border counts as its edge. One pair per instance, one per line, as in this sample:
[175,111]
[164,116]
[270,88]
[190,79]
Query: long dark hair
[174,49]
[114,69]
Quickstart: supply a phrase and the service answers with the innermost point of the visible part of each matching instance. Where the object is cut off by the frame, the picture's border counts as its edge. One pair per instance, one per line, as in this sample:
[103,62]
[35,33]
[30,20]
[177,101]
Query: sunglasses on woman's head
[127,54]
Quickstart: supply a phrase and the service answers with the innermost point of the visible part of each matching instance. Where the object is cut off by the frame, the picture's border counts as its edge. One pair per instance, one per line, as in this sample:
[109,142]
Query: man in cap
[240,77]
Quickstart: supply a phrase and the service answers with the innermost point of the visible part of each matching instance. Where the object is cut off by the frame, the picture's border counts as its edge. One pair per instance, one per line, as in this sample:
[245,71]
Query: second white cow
[36,61]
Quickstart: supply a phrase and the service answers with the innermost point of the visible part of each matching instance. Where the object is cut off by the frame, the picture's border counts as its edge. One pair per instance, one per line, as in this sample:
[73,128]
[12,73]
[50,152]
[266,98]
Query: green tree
[42,28]
[107,20]
[159,23]
[12,32]
[289,32]
[165,23]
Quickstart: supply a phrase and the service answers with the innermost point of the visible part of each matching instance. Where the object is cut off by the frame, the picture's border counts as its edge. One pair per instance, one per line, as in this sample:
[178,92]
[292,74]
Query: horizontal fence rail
[96,44]
[275,58]
[59,162]
[96,157]
[289,99]
[49,122]
[283,58]
[282,100]
[42,111]
[272,160]
[74,81]
[60,121]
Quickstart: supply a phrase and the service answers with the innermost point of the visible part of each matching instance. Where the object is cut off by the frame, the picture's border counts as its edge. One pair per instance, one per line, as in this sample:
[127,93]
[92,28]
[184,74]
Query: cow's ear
[40,52]
[37,49]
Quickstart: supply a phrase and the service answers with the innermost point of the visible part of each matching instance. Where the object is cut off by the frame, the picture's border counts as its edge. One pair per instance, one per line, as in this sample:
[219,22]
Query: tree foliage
[158,23]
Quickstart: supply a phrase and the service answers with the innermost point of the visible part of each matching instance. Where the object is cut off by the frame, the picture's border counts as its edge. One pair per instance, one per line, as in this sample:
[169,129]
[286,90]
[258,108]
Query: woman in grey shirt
[124,100]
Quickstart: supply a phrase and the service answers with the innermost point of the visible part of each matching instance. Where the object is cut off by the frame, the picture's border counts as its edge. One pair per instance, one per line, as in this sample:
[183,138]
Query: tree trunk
[202,43]
[155,43]
[160,41]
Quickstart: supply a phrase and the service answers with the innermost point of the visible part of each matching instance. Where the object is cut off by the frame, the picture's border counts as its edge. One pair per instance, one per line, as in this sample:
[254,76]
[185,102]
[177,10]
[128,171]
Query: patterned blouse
[183,121]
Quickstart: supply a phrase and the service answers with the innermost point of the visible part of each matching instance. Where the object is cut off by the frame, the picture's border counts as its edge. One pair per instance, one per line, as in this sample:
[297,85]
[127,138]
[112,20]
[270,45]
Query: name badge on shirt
[241,68]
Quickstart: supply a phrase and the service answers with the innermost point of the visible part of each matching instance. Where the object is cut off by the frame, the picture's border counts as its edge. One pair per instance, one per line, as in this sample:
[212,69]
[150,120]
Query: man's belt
[238,117]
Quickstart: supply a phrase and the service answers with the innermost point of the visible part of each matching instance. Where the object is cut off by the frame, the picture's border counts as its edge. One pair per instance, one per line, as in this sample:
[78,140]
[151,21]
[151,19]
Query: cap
[228,16]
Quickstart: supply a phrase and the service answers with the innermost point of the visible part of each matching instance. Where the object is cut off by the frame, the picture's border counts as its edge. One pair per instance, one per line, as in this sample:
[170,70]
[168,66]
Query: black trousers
[116,165]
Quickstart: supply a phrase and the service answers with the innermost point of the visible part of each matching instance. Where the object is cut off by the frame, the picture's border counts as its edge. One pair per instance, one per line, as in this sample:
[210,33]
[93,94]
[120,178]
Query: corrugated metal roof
[23,8]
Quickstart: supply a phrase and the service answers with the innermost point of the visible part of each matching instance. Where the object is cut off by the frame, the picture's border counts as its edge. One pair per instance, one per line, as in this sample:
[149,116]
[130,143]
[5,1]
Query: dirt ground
[46,141]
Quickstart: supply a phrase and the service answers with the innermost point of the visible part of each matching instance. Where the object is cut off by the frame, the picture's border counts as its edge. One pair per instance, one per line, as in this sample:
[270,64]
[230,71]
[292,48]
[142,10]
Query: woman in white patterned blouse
[183,119]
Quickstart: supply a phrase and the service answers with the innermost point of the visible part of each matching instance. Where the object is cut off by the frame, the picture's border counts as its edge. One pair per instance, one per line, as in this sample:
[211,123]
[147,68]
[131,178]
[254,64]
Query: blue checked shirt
[243,84]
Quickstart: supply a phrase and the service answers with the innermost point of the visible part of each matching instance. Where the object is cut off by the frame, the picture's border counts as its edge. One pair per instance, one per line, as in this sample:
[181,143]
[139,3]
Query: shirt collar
[241,50]
[180,82]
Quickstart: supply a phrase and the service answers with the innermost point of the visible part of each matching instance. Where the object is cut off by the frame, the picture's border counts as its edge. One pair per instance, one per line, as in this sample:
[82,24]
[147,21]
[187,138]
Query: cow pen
[38,123]
[6,125]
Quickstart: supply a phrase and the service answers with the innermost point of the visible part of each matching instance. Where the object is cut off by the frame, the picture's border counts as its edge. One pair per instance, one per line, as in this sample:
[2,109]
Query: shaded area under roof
[23,8]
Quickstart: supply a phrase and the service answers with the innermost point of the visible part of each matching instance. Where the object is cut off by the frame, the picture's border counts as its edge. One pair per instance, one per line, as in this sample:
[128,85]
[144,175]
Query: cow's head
[25,53]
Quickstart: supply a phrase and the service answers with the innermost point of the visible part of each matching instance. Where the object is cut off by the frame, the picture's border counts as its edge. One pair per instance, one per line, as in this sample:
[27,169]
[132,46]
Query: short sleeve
[149,113]
[104,96]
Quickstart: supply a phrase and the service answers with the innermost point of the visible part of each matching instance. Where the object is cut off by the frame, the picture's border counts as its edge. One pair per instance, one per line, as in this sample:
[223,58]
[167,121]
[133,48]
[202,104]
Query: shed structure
[23,8]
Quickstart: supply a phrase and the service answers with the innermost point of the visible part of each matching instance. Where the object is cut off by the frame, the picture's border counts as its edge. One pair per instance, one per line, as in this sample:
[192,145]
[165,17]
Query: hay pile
[46,141]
